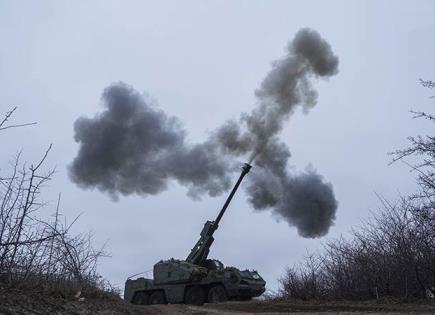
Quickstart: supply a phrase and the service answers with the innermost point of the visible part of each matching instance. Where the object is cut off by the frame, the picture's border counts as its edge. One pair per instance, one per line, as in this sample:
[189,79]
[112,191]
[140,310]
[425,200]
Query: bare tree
[35,252]
[390,254]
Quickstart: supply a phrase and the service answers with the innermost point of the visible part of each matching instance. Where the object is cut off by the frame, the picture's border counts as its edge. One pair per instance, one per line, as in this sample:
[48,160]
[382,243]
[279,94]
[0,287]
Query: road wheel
[157,297]
[141,298]
[217,294]
[195,295]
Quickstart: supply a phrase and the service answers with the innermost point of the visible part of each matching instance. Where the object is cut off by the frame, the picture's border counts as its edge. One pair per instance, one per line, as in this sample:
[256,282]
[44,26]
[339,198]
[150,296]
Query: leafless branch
[6,118]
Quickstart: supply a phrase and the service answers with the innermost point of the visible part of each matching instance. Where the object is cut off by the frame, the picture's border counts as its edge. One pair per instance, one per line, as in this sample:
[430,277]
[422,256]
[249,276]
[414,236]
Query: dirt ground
[26,304]
[264,307]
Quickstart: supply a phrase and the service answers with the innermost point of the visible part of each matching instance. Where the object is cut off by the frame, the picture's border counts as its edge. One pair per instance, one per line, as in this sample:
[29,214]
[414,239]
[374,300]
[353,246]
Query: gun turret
[199,252]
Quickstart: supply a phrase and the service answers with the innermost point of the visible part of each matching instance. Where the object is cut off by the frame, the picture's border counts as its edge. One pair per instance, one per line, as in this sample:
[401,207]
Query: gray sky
[202,61]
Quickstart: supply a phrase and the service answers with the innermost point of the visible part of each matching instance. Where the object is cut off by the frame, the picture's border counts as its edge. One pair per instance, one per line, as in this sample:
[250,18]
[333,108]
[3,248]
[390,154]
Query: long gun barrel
[200,251]
[245,170]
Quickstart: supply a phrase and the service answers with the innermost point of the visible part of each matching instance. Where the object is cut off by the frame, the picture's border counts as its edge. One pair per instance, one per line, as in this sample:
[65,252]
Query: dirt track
[27,303]
[291,308]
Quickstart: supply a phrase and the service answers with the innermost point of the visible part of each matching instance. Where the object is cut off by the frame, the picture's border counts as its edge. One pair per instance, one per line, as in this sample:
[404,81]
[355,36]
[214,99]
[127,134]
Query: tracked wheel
[157,297]
[217,294]
[195,295]
[141,298]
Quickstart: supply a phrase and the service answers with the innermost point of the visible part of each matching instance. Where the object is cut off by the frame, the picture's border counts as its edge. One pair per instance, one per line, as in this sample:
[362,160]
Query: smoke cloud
[133,147]
[304,200]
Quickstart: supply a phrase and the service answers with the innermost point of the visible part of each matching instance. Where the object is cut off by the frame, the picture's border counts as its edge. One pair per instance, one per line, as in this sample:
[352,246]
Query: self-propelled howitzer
[197,279]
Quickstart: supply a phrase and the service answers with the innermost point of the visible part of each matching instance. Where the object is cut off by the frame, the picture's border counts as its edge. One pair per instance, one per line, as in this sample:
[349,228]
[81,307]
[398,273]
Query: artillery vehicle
[197,279]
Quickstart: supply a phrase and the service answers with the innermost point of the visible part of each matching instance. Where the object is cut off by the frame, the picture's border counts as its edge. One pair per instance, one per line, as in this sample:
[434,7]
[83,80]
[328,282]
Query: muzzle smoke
[133,147]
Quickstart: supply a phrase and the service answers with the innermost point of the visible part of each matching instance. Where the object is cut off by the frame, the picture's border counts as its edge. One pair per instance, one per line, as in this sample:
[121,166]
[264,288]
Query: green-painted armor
[197,279]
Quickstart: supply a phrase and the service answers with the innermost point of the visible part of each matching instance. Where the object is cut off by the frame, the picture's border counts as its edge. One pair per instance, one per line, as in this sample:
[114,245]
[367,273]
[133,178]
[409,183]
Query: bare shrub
[390,254]
[36,253]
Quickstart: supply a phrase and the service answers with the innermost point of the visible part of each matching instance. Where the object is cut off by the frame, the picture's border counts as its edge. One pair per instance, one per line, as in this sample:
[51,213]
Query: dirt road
[27,303]
[342,308]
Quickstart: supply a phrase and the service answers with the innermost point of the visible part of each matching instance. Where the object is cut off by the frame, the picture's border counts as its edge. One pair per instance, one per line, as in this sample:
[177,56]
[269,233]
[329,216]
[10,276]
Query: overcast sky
[201,61]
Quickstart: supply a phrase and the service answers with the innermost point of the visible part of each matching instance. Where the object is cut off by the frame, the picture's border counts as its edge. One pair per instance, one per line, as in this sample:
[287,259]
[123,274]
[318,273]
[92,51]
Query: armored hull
[177,281]
[197,279]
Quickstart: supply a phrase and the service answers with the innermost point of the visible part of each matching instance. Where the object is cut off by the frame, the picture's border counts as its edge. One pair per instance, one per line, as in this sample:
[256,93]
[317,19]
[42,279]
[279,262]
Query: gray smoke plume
[286,87]
[303,200]
[132,147]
